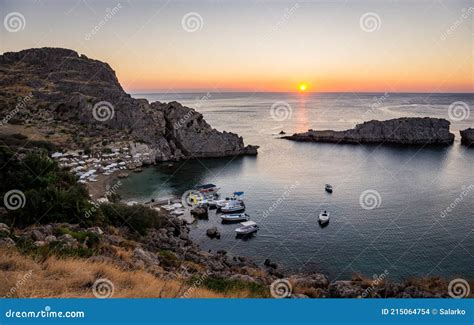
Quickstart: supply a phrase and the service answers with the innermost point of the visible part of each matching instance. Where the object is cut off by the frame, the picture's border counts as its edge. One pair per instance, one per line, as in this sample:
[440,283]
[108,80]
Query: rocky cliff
[82,97]
[467,136]
[403,131]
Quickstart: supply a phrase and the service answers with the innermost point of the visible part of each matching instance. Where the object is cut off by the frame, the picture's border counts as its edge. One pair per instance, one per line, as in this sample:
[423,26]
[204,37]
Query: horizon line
[184,91]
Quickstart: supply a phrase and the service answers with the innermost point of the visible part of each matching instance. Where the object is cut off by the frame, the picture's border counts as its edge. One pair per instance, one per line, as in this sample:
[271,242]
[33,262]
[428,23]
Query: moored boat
[232,217]
[233,206]
[323,217]
[328,188]
[247,227]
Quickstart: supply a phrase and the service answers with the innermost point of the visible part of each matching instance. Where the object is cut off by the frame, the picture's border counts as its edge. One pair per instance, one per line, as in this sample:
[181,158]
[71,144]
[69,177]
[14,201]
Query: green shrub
[89,238]
[137,218]
[51,194]
[52,249]
[223,285]
[169,259]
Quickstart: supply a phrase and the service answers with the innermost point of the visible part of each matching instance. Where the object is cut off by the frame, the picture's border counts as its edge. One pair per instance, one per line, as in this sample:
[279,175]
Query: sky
[332,46]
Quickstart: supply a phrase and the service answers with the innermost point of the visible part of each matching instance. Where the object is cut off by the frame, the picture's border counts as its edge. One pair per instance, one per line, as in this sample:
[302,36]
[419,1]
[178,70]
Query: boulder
[467,136]
[200,212]
[95,230]
[37,235]
[270,264]
[4,229]
[148,258]
[316,280]
[7,242]
[400,131]
[40,243]
[67,241]
[50,238]
[213,233]
[345,289]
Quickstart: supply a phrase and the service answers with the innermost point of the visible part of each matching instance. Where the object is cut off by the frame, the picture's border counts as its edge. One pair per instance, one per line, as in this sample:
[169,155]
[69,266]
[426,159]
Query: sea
[400,211]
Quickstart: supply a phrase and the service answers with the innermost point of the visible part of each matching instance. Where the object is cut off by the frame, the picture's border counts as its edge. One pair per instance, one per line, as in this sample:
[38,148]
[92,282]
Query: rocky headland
[400,131]
[467,136]
[78,102]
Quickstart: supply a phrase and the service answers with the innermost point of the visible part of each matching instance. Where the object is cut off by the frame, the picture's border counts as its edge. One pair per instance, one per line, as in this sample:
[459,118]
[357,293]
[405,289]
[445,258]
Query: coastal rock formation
[72,94]
[467,136]
[402,131]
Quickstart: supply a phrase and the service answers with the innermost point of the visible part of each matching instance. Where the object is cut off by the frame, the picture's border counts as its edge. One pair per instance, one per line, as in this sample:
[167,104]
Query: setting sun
[302,87]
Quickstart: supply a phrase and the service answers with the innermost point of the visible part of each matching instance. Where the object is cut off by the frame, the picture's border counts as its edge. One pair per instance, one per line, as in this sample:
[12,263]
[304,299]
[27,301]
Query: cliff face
[404,131]
[467,136]
[61,86]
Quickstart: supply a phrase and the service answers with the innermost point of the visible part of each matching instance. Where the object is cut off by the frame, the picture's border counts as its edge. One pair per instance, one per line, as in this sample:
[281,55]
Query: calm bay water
[405,232]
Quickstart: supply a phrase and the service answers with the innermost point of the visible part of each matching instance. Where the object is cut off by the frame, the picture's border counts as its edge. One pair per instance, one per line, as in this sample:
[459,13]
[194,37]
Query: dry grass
[75,278]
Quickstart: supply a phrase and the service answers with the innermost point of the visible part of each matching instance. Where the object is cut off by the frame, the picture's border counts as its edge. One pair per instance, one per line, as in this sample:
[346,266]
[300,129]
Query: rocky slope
[403,131]
[60,91]
[467,136]
[169,253]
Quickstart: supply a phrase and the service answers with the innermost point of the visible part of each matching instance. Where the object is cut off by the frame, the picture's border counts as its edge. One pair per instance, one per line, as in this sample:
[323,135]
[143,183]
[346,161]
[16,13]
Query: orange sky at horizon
[263,46]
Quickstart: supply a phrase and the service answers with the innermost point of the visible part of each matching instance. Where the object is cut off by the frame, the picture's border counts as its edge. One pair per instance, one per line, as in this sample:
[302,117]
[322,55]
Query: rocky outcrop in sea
[67,93]
[400,131]
[467,136]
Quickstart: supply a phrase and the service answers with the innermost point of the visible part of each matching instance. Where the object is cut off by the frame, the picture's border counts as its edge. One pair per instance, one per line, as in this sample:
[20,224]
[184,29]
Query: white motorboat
[328,188]
[234,200]
[235,217]
[323,217]
[248,227]
[233,206]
